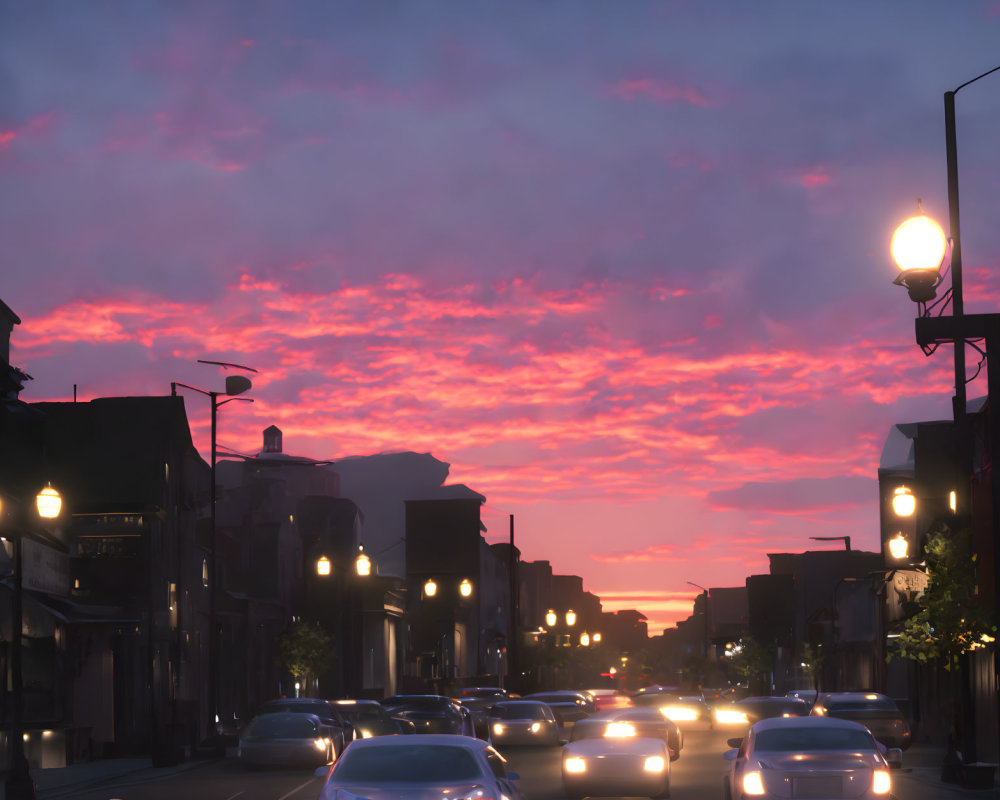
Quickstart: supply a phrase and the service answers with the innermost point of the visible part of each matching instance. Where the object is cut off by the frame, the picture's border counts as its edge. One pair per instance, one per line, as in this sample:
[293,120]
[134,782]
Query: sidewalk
[920,778]
[60,781]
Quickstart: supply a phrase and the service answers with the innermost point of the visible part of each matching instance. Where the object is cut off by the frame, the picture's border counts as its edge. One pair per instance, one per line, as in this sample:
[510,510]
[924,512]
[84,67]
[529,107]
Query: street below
[696,775]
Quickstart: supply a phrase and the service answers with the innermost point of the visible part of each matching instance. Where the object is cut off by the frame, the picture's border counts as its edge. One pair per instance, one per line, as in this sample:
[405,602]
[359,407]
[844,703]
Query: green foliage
[305,649]
[754,658]
[949,620]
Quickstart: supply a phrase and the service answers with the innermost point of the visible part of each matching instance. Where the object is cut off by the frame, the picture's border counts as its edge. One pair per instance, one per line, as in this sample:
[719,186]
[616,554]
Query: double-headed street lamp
[235,385]
[919,248]
[48,504]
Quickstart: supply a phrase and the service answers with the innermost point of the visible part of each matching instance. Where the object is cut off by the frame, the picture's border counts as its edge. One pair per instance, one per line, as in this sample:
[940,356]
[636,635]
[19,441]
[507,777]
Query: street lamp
[19,785]
[903,502]
[960,328]
[550,618]
[571,618]
[235,385]
[323,566]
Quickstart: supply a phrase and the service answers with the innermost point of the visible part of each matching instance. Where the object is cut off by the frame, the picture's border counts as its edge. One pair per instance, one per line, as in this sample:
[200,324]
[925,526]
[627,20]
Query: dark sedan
[567,705]
[431,713]
[336,727]
[749,710]
[877,712]
[369,719]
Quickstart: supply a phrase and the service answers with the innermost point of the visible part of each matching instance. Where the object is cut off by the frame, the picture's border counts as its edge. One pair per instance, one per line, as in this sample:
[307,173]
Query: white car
[617,764]
[809,757]
[419,767]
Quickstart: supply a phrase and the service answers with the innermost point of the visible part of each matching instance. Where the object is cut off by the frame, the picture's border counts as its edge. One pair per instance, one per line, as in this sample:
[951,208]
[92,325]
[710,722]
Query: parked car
[431,713]
[369,718]
[630,722]
[809,757]
[336,727]
[753,709]
[284,739]
[616,766]
[522,722]
[878,712]
[568,706]
[419,767]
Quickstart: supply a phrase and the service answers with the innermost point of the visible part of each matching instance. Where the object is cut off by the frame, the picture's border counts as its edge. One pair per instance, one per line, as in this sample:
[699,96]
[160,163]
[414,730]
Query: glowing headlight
[497,728]
[753,783]
[366,734]
[620,730]
[730,716]
[536,727]
[575,764]
[320,744]
[654,764]
[881,782]
[679,713]
[819,711]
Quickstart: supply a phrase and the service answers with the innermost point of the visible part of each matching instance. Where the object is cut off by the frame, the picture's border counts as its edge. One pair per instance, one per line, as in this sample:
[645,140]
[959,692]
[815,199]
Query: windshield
[520,711]
[797,739]
[407,764]
[320,709]
[883,704]
[363,713]
[279,726]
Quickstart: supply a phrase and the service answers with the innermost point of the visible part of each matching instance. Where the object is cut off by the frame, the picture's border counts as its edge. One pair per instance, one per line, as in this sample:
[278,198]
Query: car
[568,705]
[478,699]
[431,713]
[369,718]
[616,764]
[284,739]
[718,696]
[608,698]
[878,712]
[809,757]
[809,695]
[336,727]
[626,722]
[418,767]
[753,709]
[522,722]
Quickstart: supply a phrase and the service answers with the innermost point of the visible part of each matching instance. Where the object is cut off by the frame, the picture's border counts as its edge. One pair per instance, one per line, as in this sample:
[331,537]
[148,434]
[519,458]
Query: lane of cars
[804,744]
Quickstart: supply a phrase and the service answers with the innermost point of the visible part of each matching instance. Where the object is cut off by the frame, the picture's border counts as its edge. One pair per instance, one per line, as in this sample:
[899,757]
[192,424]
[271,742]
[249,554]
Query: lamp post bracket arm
[226,364]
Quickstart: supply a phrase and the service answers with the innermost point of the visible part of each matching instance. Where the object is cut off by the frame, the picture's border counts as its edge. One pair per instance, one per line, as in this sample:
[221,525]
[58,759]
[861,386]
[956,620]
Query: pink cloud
[660,91]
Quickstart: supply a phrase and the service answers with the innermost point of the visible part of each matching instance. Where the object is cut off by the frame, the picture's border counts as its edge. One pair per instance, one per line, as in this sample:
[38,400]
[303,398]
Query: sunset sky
[623,265]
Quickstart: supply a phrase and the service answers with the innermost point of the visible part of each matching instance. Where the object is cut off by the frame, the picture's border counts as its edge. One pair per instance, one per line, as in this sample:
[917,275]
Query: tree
[754,661]
[949,620]
[305,649]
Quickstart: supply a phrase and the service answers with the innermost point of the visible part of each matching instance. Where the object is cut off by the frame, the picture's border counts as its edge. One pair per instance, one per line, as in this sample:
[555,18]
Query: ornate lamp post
[919,248]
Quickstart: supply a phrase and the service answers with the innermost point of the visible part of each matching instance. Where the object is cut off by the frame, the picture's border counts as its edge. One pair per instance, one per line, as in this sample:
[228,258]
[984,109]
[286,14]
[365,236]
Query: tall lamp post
[919,249]
[235,385]
[19,785]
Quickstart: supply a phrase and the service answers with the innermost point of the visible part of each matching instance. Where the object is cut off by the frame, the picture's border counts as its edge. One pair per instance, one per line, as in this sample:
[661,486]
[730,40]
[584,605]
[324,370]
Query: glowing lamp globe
[898,546]
[49,503]
[584,639]
[571,618]
[465,587]
[363,564]
[430,588]
[550,618]
[323,566]
[919,243]
[903,502]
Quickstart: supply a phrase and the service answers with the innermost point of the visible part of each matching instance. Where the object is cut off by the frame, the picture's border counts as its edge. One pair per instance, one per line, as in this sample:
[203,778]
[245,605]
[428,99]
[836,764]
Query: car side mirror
[730,755]
[321,772]
[894,755]
[737,742]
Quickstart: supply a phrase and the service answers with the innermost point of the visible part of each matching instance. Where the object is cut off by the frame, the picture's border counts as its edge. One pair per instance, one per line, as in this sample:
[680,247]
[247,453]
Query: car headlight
[366,734]
[679,713]
[881,782]
[320,744]
[730,716]
[536,727]
[497,728]
[654,764]
[753,783]
[619,730]
[575,764]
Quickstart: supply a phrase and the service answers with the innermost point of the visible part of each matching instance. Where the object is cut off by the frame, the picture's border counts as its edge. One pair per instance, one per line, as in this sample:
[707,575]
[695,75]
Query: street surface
[697,775]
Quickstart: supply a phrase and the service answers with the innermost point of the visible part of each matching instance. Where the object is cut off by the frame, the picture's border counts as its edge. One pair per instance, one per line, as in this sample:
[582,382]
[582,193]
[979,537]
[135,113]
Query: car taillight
[881,782]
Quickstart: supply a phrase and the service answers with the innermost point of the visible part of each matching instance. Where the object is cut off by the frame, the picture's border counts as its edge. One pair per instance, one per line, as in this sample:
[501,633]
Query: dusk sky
[623,265]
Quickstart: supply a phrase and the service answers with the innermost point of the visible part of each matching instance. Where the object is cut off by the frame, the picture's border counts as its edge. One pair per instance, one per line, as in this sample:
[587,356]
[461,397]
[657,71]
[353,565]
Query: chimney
[272,439]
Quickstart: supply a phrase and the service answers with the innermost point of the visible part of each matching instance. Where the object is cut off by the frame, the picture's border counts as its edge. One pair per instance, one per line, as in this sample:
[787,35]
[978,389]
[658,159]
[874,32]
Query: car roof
[451,739]
[856,695]
[805,722]
[359,702]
